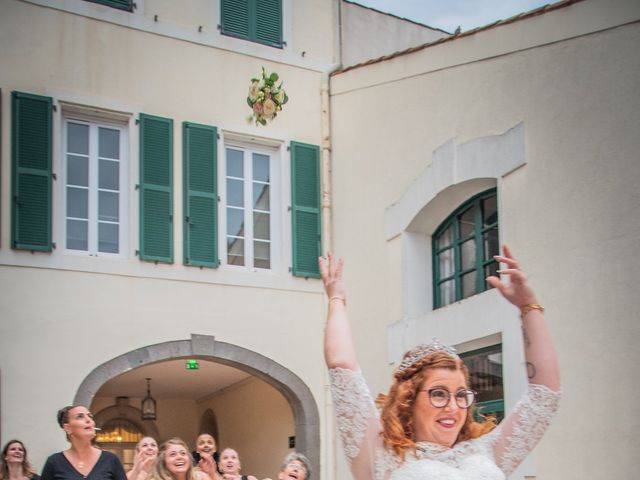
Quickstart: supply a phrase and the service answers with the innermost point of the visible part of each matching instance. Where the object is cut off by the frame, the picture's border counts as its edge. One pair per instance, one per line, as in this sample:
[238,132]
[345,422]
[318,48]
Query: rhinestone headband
[417,353]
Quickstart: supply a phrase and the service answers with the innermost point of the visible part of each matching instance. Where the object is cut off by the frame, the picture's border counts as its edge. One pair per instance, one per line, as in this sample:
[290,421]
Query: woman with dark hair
[426,427]
[81,459]
[14,464]
[206,457]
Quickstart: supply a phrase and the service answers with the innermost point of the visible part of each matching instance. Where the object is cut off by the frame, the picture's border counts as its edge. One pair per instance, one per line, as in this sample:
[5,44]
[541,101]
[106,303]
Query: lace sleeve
[356,415]
[520,432]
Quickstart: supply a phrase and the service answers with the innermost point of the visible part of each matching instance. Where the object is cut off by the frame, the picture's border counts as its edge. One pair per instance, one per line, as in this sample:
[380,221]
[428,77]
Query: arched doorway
[205,347]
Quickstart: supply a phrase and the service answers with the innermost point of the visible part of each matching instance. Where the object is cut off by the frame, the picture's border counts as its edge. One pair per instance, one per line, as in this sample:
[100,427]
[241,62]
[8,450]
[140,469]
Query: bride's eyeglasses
[440,397]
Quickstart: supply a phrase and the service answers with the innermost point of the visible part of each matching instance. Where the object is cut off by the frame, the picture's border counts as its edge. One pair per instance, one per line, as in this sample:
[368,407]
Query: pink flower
[257,108]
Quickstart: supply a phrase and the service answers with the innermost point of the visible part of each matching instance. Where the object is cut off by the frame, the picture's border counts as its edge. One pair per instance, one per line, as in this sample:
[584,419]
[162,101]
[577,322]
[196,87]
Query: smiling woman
[145,459]
[174,461]
[14,464]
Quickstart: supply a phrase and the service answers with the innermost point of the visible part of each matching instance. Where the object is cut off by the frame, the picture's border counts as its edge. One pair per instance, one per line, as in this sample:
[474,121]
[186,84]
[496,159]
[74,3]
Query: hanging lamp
[148,406]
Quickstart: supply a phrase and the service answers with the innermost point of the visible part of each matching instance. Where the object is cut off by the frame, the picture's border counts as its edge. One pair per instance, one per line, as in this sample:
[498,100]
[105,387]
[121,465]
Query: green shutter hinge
[289,148]
[137,186]
[54,175]
[54,107]
[137,121]
[137,254]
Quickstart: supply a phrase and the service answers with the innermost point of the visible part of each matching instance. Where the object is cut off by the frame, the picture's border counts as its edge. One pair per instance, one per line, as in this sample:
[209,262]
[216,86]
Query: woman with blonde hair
[14,464]
[426,427]
[174,462]
[144,460]
[230,466]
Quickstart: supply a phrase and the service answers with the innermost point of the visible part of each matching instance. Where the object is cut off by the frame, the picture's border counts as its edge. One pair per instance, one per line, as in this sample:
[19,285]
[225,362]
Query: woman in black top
[14,464]
[81,460]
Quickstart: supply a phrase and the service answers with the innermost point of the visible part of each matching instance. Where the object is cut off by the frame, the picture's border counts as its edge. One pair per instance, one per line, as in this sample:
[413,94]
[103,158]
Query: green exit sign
[192,365]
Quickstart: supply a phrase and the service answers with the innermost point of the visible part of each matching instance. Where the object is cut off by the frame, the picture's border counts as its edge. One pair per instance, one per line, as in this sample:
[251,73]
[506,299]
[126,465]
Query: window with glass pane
[93,157]
[463,248]
[485,376]
[248,208]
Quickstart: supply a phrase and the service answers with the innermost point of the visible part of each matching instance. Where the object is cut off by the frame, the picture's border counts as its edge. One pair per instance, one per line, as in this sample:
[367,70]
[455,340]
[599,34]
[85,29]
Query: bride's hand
[331,274]
[517,291]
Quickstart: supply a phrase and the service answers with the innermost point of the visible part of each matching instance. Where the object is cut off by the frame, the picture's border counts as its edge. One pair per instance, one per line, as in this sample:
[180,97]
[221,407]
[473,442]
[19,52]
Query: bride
[426,427]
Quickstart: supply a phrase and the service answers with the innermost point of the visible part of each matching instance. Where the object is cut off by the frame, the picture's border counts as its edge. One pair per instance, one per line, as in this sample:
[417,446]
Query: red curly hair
[398,433]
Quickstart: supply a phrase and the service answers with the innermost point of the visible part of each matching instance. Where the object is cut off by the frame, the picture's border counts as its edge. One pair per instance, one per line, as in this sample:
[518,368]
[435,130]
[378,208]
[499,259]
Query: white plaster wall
[570,78]
[368,33]
[308,26]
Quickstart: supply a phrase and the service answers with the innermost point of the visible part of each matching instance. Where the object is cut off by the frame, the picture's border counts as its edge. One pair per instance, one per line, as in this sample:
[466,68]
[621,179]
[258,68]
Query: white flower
[268,108]
[253,91]
[279,96]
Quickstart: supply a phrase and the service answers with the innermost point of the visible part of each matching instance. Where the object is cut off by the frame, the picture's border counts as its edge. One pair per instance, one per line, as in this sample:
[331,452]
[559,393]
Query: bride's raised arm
[356,415]
[338,342]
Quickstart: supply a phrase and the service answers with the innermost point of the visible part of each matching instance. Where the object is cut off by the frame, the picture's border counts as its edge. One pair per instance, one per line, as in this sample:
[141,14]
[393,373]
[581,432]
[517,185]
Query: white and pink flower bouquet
[265,98]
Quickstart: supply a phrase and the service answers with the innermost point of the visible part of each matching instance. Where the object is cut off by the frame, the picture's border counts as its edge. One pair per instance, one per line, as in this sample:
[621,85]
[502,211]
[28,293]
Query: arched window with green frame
[463,247]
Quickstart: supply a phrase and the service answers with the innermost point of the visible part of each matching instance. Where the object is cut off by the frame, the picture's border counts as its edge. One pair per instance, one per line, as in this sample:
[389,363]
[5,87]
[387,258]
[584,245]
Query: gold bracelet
[530,306]
[336,297]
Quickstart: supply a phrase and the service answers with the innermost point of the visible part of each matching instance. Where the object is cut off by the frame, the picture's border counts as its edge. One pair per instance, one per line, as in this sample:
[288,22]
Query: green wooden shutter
[119,4]
[268,22]
[305,209]
[255,20]
[234,18]
[156,188]
[200,195]
[31,171]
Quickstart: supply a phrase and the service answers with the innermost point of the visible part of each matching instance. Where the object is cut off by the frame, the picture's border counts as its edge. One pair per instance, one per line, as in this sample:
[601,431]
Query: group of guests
[172,460]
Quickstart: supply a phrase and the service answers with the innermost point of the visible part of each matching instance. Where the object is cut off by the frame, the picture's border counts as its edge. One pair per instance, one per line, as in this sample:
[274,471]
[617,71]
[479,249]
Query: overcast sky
[449,14]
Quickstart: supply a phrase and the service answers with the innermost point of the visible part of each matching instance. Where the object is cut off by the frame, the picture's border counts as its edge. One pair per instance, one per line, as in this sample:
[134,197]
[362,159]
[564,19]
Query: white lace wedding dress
[490,457]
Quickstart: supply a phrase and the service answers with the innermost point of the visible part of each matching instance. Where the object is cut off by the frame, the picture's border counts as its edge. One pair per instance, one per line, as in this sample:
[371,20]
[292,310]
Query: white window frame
[95,121]
[275,202]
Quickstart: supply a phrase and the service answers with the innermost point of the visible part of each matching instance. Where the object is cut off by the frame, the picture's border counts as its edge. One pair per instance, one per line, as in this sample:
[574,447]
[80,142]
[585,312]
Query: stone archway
[205,347]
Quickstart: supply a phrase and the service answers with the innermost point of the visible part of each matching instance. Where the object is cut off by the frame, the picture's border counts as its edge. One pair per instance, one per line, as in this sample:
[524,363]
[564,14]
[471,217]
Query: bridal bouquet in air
[265,98]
